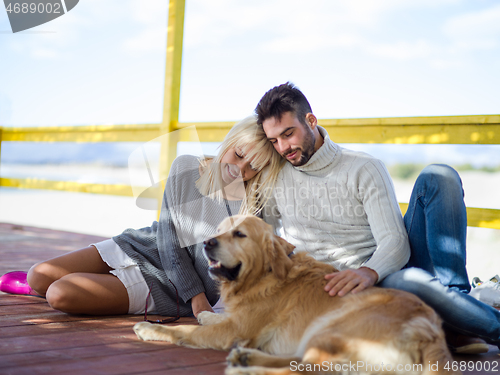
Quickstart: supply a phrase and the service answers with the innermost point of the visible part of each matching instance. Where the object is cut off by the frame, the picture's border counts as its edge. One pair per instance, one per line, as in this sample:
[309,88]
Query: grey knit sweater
[186,218]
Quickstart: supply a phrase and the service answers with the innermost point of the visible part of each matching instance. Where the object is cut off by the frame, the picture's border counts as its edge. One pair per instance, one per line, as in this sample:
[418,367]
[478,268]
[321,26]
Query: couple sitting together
[336,204]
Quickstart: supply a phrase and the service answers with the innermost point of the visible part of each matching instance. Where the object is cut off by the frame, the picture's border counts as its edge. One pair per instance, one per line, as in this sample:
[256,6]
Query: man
[340,207]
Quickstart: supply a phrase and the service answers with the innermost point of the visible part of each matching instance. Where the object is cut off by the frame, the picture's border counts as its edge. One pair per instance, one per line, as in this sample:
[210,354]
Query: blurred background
[104,63]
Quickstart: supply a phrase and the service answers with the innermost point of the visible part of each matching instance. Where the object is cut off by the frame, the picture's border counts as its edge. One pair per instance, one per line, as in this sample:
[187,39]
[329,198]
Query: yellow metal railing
[406,130]
[484,129]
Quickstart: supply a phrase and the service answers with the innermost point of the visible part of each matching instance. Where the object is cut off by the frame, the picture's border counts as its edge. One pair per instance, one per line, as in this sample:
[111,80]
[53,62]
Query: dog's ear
[278,251]
[285,245]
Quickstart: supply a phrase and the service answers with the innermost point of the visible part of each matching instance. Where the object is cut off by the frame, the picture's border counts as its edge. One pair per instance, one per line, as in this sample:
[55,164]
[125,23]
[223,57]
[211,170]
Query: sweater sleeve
[175,259]
[272,216]
[386,222]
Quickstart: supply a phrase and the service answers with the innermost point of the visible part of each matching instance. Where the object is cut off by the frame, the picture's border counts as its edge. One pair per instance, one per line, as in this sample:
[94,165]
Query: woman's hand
[200,303]
[353,281]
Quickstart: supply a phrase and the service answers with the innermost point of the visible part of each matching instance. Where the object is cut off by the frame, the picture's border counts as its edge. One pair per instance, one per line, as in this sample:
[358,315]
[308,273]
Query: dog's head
[248,248]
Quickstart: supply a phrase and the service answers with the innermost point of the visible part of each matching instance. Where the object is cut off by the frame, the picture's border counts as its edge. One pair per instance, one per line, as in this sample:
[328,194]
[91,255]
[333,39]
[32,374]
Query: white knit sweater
[341,208]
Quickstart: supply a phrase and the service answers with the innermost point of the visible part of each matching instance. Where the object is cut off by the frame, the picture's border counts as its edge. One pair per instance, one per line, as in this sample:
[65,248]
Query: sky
[103,62]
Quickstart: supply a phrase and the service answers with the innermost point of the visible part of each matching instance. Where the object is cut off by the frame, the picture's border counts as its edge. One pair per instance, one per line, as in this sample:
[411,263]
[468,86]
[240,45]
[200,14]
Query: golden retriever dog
[279,320]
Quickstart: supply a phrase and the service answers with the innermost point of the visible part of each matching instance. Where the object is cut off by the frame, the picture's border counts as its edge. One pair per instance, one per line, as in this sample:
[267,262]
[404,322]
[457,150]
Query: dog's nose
[210,244]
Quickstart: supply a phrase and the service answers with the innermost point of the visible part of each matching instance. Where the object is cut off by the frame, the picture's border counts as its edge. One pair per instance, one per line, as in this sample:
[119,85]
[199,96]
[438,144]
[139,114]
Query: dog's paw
[148,332]
[241,357]
[141,330]
[206,318]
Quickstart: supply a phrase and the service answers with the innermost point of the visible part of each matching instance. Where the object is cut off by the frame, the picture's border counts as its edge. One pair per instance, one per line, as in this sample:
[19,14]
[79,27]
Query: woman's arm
[176,259]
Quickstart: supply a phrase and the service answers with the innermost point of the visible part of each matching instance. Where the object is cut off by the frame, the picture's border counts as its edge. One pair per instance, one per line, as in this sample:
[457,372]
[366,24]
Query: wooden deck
[34,339]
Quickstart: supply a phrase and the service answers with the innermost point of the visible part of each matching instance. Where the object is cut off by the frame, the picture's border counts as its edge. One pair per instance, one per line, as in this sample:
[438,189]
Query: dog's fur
[275,302]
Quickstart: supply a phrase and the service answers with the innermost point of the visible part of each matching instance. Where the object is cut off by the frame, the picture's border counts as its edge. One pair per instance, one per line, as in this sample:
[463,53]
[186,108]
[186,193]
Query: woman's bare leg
[86,260]
[89,293]
[79,283]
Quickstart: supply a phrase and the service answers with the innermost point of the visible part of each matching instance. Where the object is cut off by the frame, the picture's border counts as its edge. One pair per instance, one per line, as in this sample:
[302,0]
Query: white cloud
[309,43]
[44,53]
[152,16]
[445,63]
[149,39]
[403,50]
[475,30]
[292,26]
[149,11]
[312,24]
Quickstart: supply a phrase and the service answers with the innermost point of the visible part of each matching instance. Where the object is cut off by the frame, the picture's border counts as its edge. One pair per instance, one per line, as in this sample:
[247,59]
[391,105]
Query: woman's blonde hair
[250,138]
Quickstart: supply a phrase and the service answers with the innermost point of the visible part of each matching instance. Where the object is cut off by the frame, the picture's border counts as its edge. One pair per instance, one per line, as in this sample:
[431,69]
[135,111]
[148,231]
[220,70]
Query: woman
[115,276]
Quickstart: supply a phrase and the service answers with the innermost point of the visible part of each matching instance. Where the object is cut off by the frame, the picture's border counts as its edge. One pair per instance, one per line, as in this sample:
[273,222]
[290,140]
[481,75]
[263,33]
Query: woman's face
[236,165]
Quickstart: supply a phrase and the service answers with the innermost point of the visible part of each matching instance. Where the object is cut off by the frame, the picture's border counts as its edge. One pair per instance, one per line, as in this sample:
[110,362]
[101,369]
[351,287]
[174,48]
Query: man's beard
[307,150]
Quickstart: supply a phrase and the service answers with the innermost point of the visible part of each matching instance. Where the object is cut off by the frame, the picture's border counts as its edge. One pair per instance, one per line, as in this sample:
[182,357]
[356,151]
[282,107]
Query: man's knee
[441,174]
[440,178]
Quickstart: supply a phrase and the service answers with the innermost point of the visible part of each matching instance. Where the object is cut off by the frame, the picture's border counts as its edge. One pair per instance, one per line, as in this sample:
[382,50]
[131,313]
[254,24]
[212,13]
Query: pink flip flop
[16,283]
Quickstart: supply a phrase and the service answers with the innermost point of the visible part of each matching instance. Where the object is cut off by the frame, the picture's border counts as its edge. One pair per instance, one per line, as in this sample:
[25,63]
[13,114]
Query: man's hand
[200,303]
[353,281]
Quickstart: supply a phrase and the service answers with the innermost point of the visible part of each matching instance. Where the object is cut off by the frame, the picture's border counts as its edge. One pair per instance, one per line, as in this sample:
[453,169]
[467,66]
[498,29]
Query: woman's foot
[16,283]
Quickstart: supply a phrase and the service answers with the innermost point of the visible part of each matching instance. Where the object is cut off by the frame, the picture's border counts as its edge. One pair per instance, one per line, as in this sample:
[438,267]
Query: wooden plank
[35,308]
[139,362]
[12,299]
[36,358]
[60,340]
[34,318]
[44,325]
[212,369]
[47,327]
[23,246]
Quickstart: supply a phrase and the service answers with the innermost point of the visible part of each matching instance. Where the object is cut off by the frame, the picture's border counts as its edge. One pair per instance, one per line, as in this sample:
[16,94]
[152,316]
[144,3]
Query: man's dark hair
[281,99]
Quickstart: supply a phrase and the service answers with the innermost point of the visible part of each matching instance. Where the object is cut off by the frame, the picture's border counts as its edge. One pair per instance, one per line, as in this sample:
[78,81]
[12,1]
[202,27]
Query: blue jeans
[436,222]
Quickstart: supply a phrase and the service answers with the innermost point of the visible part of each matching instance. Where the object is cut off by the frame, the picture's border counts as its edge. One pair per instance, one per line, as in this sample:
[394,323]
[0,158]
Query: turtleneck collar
[324,158]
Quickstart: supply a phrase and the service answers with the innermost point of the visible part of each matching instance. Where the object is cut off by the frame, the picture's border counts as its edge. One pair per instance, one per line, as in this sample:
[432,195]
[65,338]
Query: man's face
[293,140]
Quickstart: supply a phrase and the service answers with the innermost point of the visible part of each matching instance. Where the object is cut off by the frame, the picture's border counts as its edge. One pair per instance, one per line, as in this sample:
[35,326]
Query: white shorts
[129,274]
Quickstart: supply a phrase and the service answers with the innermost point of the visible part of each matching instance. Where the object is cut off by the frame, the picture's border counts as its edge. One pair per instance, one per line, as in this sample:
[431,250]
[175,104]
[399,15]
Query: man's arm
[386,223]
